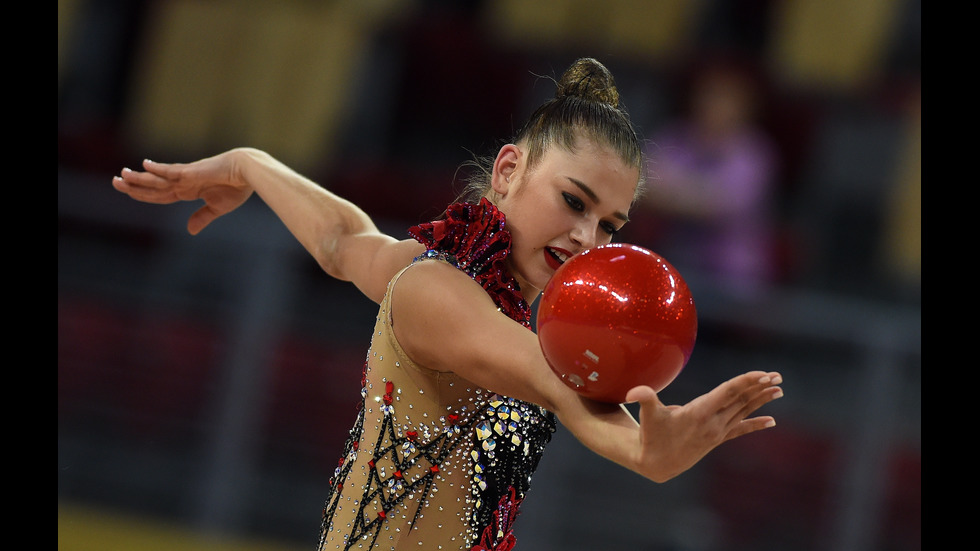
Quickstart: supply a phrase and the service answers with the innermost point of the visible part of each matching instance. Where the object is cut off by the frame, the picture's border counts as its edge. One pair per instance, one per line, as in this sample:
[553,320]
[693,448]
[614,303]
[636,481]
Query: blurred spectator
[711,184]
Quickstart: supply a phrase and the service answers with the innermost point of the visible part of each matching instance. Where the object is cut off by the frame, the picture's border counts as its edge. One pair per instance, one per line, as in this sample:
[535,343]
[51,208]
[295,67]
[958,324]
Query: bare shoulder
[436,311]
[436,286]
[382,257]
[395,255]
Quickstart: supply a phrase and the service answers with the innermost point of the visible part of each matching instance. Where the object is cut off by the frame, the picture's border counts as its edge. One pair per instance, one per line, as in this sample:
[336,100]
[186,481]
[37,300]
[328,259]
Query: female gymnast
[458,400]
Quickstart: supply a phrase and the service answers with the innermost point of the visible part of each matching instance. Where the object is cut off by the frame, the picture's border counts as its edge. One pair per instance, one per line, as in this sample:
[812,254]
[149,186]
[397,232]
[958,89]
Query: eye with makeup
[577,205]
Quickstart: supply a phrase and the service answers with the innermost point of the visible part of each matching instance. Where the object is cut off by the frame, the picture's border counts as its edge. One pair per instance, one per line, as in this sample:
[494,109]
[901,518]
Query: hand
[215,180]
[674,438]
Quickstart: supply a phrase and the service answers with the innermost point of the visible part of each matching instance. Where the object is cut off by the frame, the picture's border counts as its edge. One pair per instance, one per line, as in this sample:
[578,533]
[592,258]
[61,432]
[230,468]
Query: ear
[509,160]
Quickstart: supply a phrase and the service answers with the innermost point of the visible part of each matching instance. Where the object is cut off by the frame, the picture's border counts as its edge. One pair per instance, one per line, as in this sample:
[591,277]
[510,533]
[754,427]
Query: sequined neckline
[474,238]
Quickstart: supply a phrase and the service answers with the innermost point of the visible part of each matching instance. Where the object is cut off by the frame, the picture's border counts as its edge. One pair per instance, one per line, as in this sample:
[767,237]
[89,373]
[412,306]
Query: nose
[584,235]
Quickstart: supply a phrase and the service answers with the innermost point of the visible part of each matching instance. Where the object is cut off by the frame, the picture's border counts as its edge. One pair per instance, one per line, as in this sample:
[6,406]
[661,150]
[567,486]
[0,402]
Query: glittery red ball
[615,317]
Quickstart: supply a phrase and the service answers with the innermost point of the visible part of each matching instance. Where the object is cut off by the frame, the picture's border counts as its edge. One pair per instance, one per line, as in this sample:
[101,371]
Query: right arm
[340,236]
[445,321]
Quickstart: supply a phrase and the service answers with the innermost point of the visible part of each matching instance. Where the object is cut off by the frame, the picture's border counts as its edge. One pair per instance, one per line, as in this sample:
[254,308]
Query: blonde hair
[586,104]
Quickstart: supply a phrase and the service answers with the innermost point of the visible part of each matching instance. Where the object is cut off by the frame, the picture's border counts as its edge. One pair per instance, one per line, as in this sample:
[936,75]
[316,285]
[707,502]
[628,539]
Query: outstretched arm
[341,237]
[446,322]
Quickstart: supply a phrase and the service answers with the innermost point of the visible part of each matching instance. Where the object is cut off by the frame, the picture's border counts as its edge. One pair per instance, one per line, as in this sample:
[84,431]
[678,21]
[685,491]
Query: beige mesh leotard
[433,461]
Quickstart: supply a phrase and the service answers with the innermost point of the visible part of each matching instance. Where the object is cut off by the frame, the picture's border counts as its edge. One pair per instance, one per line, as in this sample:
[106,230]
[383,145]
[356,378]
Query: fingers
[652,410]
[755,389]
[146,194]
[746,389]
[641,394]
[750,425]
[145,186]
[767,390]
[161,183]
[167,171]
[152,175]
[200,219]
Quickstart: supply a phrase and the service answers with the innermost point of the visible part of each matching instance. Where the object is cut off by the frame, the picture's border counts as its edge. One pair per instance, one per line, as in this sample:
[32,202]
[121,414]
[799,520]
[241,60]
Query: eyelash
[576,204]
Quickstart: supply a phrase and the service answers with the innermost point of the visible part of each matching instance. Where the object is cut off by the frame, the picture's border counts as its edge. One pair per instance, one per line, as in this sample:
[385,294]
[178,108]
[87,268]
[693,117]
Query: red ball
[615,317]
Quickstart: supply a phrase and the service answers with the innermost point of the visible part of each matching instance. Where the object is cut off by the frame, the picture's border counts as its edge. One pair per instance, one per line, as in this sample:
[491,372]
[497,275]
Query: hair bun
[588,79]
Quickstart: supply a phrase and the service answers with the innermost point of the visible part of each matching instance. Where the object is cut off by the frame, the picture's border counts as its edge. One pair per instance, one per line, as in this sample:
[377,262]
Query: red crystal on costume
[389,388]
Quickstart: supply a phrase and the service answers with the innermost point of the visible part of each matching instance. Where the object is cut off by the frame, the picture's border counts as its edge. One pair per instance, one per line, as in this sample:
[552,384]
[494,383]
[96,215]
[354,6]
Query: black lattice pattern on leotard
[391,491]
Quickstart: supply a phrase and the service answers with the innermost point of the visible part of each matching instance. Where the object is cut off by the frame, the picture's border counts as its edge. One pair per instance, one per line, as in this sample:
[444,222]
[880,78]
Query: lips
[555,257]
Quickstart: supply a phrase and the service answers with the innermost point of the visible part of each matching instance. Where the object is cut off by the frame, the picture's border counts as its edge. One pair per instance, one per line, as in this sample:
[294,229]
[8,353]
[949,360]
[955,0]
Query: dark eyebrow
[595,198]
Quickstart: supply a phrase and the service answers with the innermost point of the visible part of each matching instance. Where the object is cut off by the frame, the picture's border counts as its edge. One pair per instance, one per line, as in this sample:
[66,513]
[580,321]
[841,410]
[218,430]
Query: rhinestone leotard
[433,461]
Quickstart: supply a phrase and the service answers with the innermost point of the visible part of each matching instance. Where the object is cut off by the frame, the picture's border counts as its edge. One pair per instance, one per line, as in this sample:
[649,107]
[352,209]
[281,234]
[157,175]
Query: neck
[528,291]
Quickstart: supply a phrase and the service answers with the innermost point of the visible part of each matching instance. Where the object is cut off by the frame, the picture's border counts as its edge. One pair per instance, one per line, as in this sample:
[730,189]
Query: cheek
[531,223]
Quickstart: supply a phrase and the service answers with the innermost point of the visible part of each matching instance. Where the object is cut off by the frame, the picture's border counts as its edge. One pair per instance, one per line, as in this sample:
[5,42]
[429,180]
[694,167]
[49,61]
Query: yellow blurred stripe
[87,529]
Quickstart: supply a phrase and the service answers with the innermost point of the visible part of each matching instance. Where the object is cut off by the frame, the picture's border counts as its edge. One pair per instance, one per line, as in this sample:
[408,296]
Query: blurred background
[206,384]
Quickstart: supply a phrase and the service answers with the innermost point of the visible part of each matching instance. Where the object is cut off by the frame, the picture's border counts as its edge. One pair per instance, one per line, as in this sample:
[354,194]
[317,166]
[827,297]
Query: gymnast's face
[568,202]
